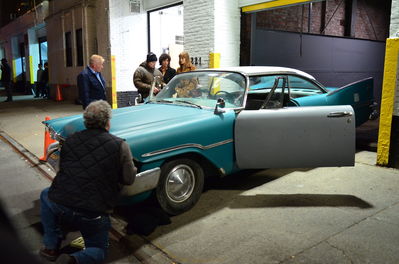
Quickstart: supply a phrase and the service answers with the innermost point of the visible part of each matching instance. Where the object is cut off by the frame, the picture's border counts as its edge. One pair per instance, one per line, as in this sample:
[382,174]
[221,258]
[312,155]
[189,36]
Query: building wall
[372,19]
[128,37]
[227,32]
[154,4]
[221,19]
[394,139]
[199,15]
[128,42]
[394,33]
[68,16]
[25,29]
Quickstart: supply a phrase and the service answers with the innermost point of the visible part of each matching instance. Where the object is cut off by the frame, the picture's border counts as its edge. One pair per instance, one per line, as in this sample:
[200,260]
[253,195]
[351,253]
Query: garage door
[334,61]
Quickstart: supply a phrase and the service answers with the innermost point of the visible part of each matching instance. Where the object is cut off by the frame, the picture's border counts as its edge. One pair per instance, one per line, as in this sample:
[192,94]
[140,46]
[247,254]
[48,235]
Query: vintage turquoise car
[214,122]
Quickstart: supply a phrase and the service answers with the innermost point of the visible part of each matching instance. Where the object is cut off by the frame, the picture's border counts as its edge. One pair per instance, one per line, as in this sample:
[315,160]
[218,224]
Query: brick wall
[199,29]
[126,98]
[372,19]
[394,33]
[212,26]
[394,26]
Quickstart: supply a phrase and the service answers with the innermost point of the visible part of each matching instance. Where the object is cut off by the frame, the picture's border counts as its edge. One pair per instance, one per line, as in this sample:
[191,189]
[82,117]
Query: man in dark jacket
[44,82]
[144,76]
[94,166]
[91,83]
[6,78]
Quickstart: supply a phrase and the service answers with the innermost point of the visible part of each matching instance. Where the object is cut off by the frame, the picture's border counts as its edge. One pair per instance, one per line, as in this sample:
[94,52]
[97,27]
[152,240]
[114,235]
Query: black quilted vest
[90,171]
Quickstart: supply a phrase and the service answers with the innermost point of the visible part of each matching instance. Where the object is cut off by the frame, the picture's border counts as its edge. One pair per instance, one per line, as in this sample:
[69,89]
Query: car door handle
[340,114]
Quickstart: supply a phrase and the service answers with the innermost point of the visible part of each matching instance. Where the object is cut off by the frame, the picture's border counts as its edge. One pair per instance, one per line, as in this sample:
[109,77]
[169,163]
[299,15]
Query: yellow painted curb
[272,4]
[387,100]
[114,97]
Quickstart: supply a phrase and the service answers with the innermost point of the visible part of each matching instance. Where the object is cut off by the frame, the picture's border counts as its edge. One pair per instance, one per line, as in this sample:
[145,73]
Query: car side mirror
[220,104]
[138,99]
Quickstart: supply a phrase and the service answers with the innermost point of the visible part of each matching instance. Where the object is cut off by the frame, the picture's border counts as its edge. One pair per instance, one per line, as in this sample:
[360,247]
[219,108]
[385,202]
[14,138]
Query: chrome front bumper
[145,181]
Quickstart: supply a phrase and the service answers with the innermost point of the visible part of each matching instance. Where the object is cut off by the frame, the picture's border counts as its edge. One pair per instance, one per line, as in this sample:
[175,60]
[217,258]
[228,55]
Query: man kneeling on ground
[94,165]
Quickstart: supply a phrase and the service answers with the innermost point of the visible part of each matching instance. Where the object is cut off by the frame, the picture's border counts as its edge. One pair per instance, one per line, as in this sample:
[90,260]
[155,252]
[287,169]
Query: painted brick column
[388,137]
[212,27]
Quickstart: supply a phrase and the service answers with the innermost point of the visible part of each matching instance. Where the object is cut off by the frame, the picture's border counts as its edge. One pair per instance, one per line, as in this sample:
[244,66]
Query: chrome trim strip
[189,145]
[145,181]
[53,147]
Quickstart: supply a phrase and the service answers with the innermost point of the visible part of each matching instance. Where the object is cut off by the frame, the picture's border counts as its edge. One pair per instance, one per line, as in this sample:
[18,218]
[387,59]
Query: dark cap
[151,57]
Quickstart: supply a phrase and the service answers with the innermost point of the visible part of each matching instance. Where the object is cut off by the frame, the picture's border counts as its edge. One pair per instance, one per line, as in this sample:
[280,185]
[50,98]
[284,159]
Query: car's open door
[295,137]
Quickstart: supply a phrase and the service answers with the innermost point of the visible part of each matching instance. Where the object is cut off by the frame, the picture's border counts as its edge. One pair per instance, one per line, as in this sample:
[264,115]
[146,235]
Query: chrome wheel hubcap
[180,183]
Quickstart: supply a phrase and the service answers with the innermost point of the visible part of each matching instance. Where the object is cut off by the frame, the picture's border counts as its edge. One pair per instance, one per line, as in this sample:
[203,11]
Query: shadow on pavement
[299,200]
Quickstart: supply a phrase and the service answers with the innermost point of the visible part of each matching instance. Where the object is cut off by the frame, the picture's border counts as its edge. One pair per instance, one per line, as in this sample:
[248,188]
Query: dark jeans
[93,227]
[8,88]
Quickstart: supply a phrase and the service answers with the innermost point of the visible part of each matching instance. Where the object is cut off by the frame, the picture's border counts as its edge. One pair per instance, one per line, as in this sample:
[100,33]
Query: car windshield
[203,89]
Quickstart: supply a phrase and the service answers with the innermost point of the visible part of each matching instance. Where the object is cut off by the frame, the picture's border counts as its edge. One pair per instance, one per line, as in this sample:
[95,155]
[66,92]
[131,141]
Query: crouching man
[94,165]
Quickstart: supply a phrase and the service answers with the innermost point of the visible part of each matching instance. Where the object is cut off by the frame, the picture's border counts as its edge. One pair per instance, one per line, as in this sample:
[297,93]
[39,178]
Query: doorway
[165,26]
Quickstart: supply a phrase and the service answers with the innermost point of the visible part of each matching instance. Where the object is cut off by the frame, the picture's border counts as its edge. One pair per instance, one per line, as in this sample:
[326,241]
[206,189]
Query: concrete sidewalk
[22,119]
[322,215]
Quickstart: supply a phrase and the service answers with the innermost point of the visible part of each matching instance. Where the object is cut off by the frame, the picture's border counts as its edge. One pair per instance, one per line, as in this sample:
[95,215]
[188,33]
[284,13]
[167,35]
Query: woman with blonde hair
[185,63]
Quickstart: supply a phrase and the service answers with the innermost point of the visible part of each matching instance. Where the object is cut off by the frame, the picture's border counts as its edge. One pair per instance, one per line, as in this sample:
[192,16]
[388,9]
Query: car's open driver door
[295,137]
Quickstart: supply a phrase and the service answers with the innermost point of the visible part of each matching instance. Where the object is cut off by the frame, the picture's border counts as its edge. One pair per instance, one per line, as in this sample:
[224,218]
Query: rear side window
[302,84]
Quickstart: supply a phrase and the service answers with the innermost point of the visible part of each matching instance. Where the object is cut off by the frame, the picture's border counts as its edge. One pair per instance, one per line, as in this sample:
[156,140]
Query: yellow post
[32,78]
[387,100]
[214,60]
[14,71]
[114,97]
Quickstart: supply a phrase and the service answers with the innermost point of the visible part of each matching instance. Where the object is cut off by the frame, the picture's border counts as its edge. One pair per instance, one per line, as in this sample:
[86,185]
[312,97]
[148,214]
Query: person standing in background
[167,72]
[6,79]
[39,73]
[145,74]
[91,83]
[185,63]
[44,82]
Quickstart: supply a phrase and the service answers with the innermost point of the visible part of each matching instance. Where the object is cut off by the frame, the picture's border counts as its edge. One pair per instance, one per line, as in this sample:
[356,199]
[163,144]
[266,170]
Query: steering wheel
[229,96]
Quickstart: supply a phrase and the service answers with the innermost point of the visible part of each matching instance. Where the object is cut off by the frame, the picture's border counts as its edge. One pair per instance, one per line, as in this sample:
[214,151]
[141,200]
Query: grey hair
[95,58]
[97,114]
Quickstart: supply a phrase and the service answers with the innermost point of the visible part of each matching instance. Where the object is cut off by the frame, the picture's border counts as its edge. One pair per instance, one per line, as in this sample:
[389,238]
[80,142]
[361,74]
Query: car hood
[132,119]
[151,127]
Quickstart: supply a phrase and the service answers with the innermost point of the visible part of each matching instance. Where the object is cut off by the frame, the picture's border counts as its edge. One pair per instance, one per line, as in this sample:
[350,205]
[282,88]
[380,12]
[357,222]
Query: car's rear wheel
[180,185]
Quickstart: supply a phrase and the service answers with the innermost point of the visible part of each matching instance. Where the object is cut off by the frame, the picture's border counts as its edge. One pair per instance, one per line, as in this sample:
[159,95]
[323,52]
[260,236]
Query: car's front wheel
[180,185]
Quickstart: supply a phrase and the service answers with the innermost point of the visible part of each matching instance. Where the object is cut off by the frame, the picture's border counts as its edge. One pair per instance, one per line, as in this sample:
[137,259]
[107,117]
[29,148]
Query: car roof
[260,70]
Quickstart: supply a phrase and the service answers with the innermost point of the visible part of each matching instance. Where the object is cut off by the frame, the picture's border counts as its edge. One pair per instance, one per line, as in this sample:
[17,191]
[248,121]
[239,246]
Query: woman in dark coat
[167,72]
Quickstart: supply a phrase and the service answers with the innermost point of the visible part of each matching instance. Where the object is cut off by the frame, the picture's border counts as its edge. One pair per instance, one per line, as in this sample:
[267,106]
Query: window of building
[43,50]
[68,49]
[79,47]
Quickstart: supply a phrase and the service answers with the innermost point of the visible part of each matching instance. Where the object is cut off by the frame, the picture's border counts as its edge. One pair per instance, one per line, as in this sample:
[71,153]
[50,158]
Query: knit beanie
[151,57]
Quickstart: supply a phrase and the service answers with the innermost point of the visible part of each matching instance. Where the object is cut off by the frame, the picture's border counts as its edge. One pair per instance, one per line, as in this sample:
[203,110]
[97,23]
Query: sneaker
[66,259]
[49,254]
